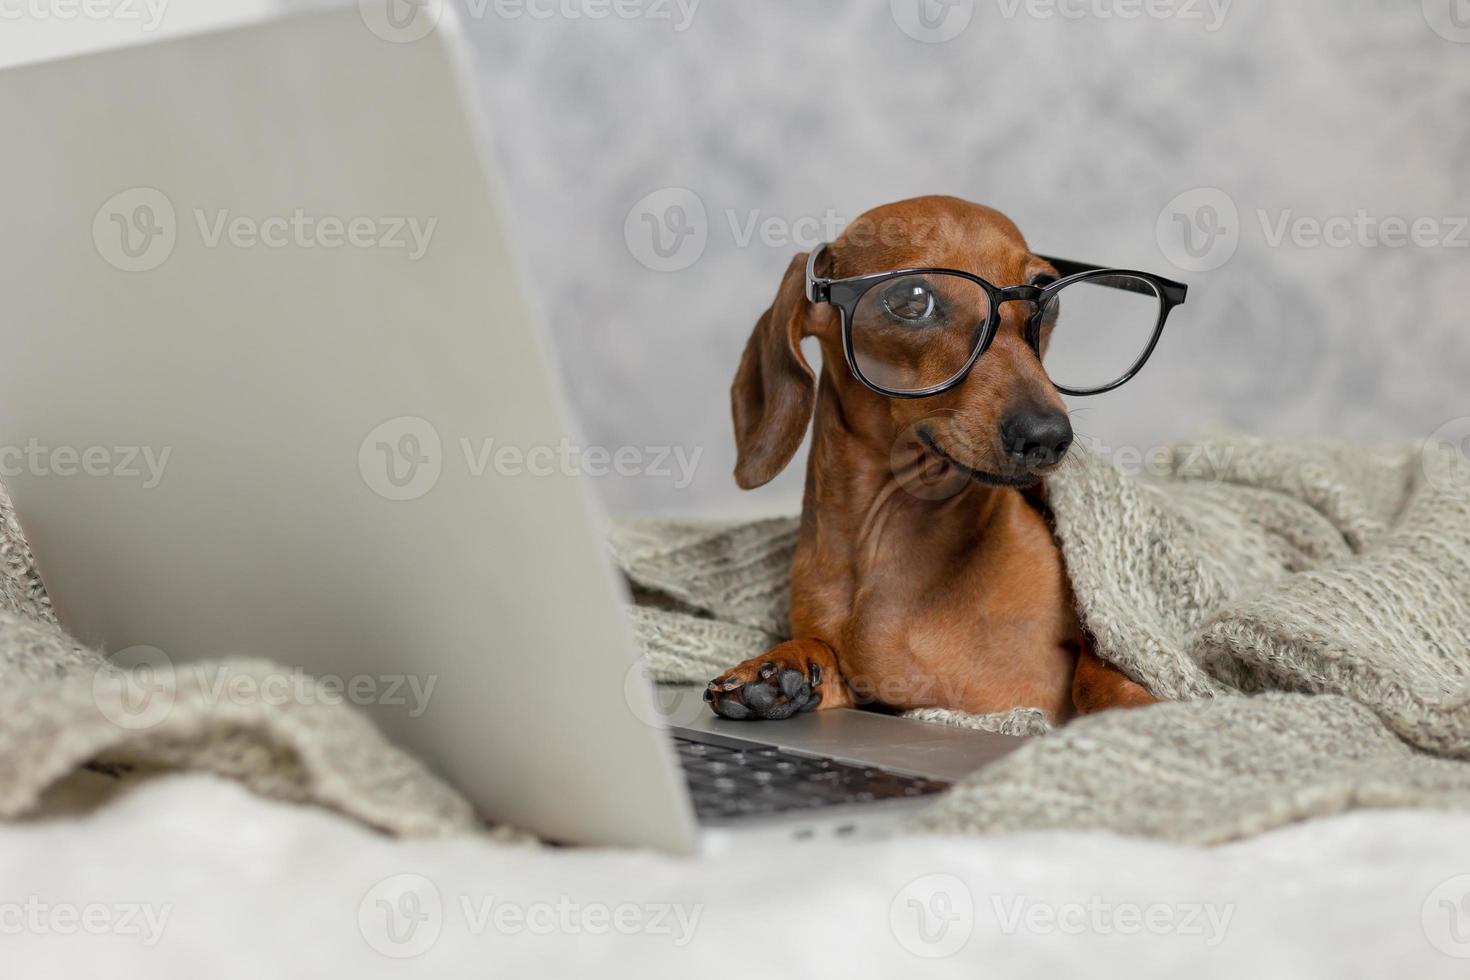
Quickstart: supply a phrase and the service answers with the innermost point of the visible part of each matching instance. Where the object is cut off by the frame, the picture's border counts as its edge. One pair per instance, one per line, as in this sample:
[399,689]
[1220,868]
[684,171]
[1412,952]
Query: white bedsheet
[189,876]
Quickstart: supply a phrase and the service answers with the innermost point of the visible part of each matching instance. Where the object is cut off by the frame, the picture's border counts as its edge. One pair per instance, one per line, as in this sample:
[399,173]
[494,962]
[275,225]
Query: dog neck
[864,476]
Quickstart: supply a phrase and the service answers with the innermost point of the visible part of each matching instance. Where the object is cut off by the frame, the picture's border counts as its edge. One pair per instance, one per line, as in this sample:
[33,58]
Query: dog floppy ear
[774,390]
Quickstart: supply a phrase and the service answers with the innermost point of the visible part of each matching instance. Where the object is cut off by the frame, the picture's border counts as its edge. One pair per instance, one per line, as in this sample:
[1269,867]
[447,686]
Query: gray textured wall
[1101,134]
[1083,129]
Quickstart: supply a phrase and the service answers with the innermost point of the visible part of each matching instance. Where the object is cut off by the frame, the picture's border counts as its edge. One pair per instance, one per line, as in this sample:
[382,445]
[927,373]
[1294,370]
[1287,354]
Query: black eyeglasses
[913,333]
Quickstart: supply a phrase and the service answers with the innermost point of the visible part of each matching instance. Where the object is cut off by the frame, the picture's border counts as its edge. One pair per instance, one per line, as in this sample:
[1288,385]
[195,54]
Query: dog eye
[909,299]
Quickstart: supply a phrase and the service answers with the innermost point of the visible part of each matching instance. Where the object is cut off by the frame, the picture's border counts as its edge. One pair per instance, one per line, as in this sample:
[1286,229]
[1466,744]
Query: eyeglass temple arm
[817,289]
[1173,291]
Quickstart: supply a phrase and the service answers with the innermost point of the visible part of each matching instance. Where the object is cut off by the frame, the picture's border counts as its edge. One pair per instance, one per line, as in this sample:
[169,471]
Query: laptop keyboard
[760,780]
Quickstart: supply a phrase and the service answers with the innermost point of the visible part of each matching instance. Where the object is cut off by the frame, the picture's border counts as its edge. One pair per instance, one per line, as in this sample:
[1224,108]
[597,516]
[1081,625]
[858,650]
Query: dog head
[1004,424]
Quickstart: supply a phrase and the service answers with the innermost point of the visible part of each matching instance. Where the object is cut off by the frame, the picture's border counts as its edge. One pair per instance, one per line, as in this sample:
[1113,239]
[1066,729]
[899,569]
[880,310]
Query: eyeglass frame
[847,292]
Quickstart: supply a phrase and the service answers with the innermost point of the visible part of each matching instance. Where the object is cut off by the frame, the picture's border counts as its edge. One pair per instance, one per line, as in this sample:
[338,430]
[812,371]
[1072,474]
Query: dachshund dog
[926,572]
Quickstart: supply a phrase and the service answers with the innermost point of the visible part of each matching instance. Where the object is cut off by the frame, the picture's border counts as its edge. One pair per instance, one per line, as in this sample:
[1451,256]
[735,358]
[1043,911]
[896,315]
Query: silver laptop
[262,334]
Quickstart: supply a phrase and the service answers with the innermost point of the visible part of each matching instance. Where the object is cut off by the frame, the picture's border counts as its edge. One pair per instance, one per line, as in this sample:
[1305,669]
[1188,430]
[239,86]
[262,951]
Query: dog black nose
[1036,438]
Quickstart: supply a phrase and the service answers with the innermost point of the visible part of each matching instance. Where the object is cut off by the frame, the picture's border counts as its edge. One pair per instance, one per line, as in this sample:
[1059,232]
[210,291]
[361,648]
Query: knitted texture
[1306,604]
[1331,581]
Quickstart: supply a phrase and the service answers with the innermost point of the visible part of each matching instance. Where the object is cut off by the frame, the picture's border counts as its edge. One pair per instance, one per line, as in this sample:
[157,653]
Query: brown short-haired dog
[926,573]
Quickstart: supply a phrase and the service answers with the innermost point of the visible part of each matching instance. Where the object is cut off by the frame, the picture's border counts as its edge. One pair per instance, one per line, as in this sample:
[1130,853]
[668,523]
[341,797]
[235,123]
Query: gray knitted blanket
[1307,605]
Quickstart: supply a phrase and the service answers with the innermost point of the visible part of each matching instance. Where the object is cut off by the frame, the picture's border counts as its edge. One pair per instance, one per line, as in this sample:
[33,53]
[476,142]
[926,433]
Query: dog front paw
[765,687]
